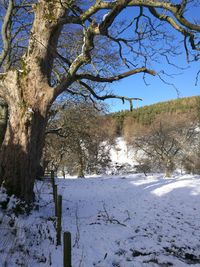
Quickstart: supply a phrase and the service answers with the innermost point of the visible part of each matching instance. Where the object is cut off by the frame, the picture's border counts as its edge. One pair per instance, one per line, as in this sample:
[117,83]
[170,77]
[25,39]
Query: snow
[128,220]
[124,221]
[30,110]
[104,17]
[119,217]
[121,153]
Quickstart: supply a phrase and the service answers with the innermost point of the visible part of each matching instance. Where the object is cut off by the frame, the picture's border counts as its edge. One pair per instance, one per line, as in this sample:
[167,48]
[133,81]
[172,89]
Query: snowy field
[119,221]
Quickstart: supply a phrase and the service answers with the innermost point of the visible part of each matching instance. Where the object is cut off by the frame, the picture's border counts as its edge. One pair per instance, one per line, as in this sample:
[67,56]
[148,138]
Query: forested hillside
[146,115]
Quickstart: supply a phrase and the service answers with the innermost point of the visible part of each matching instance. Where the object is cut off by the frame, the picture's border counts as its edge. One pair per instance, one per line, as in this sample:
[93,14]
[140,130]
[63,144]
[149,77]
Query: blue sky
[157,91]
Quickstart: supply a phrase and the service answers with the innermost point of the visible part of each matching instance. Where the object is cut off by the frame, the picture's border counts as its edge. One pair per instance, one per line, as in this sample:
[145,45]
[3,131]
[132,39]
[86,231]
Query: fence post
[67,250]
[56,199]
[53,185]
[59,219]
[52,177]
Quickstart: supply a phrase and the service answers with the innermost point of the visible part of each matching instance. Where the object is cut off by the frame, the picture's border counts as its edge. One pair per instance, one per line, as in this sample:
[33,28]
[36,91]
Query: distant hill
[147,114]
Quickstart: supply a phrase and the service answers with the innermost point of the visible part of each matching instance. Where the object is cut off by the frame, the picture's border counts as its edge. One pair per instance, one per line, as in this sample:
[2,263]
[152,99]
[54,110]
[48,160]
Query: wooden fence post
[56,199]
[67,250]
[53,186]
[59,219]
[52,178]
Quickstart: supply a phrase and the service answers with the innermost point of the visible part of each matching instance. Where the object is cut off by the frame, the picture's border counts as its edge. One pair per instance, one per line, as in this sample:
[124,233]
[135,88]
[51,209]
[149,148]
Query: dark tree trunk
[21,152]
[21,149]
[80,171]
[80,168]
[80,159]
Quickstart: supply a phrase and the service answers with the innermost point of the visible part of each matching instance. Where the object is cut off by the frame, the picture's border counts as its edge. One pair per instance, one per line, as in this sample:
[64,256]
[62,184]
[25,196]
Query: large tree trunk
[29,95]
[21,153]
[24,138]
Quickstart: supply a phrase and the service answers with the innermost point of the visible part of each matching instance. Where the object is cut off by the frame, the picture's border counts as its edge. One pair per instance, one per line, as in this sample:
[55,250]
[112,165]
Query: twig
[77,238]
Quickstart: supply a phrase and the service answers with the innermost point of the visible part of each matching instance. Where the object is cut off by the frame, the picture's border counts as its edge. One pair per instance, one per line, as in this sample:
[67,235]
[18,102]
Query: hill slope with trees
[146,115]
[164,136]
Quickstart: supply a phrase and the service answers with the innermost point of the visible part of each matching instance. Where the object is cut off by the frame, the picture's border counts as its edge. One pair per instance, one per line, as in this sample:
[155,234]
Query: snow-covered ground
[119,221]
[121,153]
[128,220]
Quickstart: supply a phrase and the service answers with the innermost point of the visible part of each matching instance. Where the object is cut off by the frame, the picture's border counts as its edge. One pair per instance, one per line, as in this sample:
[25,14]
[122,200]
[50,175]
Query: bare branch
[197,78]
[176,26]
[115,78]
[109,96]
[177,11]
[6,34]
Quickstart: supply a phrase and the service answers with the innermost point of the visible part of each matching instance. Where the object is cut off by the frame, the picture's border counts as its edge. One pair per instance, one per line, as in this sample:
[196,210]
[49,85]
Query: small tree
[78,139]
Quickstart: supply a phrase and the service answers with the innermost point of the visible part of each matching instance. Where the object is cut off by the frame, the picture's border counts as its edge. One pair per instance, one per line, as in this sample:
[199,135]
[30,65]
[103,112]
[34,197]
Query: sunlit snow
[128,220]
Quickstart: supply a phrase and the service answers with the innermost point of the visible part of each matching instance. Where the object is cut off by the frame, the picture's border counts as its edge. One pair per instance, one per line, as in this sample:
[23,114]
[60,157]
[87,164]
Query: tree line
[147,114]
[79,138]
[169,141]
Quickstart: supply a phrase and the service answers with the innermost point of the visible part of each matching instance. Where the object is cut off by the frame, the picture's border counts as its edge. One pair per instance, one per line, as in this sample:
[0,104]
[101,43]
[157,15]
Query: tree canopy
[90,42]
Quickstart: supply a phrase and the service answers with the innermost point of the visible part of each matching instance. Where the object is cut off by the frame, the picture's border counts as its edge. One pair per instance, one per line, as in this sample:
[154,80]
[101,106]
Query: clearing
[120,221]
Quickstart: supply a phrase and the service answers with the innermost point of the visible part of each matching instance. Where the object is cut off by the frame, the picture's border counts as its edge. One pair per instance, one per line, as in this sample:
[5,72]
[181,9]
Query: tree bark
[29,95]
[80,168]
[21,152]
[24,138]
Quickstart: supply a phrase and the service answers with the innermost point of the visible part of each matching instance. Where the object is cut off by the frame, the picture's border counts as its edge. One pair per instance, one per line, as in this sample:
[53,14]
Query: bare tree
[190,159]
[165,143]
[41,59]
[77,139]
